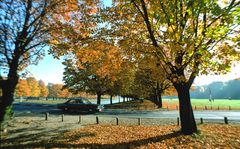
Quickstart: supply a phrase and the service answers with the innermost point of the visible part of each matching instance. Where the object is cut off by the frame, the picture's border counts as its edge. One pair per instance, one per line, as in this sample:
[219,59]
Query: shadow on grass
[60,142]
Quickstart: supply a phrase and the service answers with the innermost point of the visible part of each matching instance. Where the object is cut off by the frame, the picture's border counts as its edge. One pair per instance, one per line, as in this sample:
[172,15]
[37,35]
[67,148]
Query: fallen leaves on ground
[109,136]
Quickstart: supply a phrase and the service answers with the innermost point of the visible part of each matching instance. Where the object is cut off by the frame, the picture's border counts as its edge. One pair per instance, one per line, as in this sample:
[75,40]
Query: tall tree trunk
[99,98]
[188,124]
[159,95]
[111,96]
[8,86]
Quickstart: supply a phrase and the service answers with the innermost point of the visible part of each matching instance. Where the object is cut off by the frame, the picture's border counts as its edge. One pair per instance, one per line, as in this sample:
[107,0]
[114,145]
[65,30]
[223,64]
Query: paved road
[233,115]
[39,109]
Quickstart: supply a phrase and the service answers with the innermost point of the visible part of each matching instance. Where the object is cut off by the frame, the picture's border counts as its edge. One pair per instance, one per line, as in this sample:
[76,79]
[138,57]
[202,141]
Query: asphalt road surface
[25,108]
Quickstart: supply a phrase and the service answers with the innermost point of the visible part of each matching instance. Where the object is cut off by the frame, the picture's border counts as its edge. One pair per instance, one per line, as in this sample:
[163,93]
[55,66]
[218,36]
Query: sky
[49,69]
[207,79]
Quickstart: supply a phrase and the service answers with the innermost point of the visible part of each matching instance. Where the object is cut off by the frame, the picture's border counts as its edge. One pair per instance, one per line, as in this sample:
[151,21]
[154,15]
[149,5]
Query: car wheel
[92,110]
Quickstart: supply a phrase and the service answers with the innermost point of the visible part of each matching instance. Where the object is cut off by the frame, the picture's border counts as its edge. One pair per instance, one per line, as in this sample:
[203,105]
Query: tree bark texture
[111,99]
[99,98]
[8,86]
[158,95]
[188,124]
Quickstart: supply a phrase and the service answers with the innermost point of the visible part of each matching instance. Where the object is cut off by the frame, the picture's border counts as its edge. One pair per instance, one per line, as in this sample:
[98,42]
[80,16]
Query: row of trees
[167,41]
[30,87]
[112,73]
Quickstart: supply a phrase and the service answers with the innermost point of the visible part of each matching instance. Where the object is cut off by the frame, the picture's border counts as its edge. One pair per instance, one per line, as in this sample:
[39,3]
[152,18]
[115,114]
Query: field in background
[202,104]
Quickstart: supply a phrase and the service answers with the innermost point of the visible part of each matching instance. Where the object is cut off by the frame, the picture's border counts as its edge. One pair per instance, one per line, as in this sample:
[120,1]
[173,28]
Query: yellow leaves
[54,41]
[109,136]
[105,59]
[72,4]
[93,10]
[91,2]
[178,79]
[71,24]
[172,28]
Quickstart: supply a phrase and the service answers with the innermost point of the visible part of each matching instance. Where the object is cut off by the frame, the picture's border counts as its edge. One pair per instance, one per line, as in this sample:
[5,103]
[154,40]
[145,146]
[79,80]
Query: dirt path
[26,130]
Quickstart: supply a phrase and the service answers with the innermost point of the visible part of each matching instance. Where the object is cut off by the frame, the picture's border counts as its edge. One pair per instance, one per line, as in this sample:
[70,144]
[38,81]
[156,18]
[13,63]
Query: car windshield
[78,101]
[86,101]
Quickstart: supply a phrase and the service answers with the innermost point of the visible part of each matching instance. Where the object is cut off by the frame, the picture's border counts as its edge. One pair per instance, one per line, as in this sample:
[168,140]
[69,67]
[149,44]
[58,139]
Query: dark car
[80,104]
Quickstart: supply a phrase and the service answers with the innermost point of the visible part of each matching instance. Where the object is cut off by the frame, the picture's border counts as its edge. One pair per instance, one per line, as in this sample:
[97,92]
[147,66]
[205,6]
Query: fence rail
[205,108]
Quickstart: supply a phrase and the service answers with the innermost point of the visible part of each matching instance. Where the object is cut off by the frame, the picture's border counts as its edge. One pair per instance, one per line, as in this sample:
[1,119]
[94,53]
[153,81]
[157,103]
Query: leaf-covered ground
[134,105]
[150,137]
[105,136]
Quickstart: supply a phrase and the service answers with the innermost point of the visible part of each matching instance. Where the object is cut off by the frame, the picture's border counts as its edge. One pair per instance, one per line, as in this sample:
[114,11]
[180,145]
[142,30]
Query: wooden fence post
[139,121]
[226,120]
[97,120]
[46,116]
[116,120]
[201,120]
[178,121]
[218,107]
[205,107]
[62,117]
[195,107]
[79,119]
[230,108]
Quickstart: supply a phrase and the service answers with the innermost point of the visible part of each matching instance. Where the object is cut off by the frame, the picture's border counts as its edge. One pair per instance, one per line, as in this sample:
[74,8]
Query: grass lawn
[223,104]
[172,104]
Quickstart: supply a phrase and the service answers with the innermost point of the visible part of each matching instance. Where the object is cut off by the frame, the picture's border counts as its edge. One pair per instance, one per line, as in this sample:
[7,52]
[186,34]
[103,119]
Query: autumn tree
[93,69]
[74,34]
[72,25]
[79,79]
[57,91]
[150,80]
[22,36]
[33,86]
[187,37]
[113,90]
[126,77]
[73,28]
[43,89]
[51,92]
[22,89]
